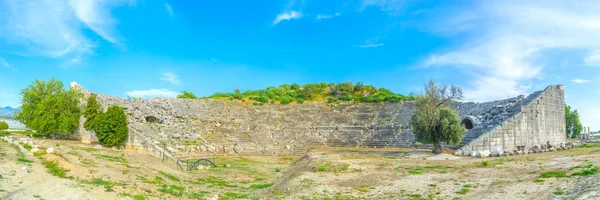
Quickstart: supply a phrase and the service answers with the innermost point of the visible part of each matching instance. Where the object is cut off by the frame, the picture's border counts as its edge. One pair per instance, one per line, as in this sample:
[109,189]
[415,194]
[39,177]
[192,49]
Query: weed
[125,171]
[277,169]
[362,188]
[54,169]
[484,163]
[539,180]
[28,147]
[119,159]
[277,192]
[174,190]
[463,191]
[415,171]
[434,167]
[197,195]
[261,186]
[559,191]
[100,182]
[586,172]
[24,160]
[553,174]
[432,185]
[169,176]
[215,181]
[236,195]
[306,183]
[431,196]
[415,196]
[139,197]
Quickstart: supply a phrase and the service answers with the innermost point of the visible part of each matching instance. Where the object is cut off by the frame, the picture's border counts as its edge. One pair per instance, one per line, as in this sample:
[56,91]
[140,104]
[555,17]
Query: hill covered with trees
[322,92]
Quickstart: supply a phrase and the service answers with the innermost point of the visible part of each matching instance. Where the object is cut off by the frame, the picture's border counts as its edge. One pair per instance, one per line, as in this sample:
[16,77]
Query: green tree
[3,125]
[91,112]
[573,124]
[48,108]
[186,95]
[434,121]
[111,127]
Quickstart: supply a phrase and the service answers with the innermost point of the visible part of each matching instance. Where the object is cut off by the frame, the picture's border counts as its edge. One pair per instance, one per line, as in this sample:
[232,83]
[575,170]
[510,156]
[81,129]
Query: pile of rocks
[535,149]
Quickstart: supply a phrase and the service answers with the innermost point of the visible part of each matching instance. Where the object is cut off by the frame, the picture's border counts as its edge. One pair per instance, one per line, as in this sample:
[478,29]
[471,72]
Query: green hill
[322,92]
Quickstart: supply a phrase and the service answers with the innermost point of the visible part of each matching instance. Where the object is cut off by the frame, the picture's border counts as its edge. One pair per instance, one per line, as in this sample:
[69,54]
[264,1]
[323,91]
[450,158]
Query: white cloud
[170,77]
[55,28]
[370,45]
[287,16]
[508,41]
[326,16]
[580,81]
[391,6]
[5,64]
[319,16]
[169,9]
[151,93]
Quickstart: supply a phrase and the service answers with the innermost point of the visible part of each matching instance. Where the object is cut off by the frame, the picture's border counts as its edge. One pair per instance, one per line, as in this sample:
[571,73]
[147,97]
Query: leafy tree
[49,108]
[295,86]
[573,124]
[186,95]
[111,127]
[91,112]
[435,122]
[3,125]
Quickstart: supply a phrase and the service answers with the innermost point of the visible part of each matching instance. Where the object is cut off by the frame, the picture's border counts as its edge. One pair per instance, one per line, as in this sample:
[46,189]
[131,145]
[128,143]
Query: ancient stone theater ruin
[192,126]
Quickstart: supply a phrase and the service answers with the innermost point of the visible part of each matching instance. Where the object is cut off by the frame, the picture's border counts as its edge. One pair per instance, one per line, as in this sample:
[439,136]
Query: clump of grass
[416,171]
[174,190]
[553,174]
[197,195]
[236,195]
[330,167]
[431,196]
[261,186]
[559,191]
[362,188]
[586,172]
[119,159]
[306,183]
[215,181]
[277,169]
[24,160]
[539,180]
[484,163]
[28,147]
[432,185]
[100,182]
[415,196]
[434,167]
[54,169]
[465,189]
[169,176]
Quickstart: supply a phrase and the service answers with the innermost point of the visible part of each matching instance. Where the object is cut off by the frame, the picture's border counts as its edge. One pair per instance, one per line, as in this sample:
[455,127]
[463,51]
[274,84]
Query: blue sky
[492,49]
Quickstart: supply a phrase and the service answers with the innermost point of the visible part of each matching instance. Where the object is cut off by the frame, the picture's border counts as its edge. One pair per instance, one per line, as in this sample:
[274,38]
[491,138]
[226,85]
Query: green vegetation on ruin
[322,92]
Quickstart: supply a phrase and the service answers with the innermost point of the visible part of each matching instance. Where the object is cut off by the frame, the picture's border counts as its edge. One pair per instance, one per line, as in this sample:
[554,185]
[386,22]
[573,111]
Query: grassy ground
[325,173]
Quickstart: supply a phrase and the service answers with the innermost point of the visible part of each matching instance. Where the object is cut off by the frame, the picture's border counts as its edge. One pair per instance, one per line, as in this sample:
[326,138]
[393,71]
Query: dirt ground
[324,173]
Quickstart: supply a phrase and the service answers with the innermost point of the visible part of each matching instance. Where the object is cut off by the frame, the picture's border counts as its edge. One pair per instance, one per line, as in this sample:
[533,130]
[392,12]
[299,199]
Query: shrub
[186,95]
[92,110]
[3,125]
[111,128]
[285,100]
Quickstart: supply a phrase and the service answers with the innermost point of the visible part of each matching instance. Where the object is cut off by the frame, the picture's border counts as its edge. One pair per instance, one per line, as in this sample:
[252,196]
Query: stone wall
[194,126]
[538,123]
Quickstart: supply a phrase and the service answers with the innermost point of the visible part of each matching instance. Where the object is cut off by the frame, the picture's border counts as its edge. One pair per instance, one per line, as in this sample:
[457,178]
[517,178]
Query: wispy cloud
[6,65]
[509,40]
[369,45]
[170,77]
[214,60]
[392,6]
[580,81]
[327,16]
[151,93]
[169,9]
[287,16]
[56,28]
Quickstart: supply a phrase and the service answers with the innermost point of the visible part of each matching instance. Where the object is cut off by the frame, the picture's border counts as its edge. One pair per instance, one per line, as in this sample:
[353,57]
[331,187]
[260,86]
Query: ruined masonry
[189,127]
